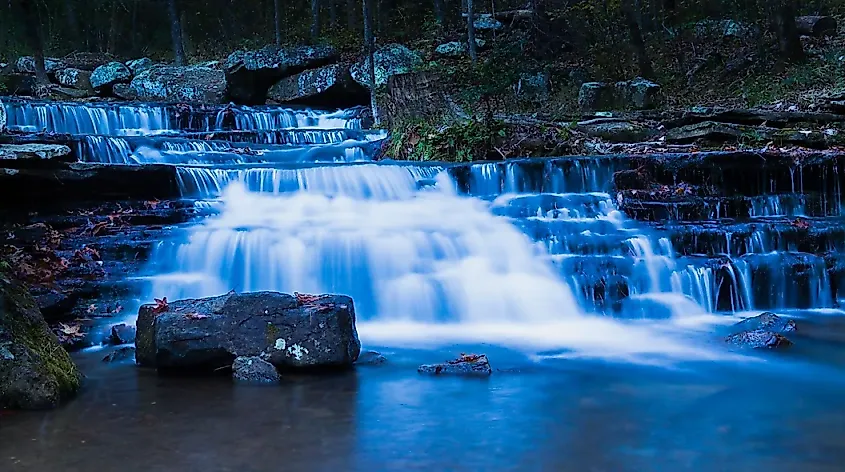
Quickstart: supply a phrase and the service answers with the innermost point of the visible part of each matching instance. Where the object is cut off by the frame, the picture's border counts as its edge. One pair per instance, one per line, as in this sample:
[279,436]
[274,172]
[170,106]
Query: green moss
[26,326]
[271,333]
[464,141]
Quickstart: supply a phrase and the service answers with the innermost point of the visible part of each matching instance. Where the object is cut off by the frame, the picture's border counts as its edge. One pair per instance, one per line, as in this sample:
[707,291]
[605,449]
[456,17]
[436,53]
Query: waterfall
[87,118]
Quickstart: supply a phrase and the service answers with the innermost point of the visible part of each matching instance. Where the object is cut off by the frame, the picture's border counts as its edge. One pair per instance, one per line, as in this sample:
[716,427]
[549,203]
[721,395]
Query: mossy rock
[35,371]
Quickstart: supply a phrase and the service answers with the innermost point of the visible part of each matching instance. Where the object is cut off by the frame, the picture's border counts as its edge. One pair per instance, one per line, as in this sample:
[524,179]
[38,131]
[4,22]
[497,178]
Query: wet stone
[759,339]
[768,322]
[466,365]
[122,334]
[254,370]
[371,358]
[120,354]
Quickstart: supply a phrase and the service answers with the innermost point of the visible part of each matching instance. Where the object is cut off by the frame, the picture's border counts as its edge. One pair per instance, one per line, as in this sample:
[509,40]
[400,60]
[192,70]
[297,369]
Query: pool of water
[774,412]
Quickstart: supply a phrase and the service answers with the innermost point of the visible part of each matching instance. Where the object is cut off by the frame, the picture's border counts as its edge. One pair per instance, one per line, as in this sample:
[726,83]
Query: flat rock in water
[759,339]
[254,370]
[120,354]
[768,322]
[34,151]
[466,365]
[302,332]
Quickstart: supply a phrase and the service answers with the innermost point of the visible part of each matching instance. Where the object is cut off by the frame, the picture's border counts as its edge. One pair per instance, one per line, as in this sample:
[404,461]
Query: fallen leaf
[161,306]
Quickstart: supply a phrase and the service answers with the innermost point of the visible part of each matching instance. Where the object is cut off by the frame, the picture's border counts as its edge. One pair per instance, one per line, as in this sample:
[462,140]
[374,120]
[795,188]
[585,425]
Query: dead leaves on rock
[161,306]
[467,358]
[314,301]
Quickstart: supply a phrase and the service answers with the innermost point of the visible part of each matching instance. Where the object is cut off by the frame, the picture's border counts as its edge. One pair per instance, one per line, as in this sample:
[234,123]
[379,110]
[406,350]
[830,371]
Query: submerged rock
[108,74]
[249,74]
[122,334]
[759,339]
[330,85]
[290,332]
[767,321]
[120,354]
[390,60]
[35,372]
[180,84]
[75,78]
[254,370]
[466,365]
[371,358]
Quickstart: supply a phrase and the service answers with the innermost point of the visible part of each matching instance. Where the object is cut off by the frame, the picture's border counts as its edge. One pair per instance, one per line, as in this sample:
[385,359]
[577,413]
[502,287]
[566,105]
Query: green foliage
[459,142]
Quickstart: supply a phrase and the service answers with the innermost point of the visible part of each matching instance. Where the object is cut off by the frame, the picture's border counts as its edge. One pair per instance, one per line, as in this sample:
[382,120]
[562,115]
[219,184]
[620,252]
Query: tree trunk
[111,47]
[33,33]
[351,16]
[176,33]
[789,40]
[315,20]
[369,44]
[333,12]
[473,50]
[277,20]
[630,9]
[439,15]
[72,24]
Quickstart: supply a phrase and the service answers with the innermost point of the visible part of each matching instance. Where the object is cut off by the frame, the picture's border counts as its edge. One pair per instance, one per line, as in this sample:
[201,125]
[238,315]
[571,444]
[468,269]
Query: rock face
[35,372]
[249,74]
[330,85]
[180,84]
[466,365]
[136,66]
[109,74]
[637,94]
[390,60]
[34,151]
[289,332]
[75,78]
[254,370]
[762,332]
[26,65]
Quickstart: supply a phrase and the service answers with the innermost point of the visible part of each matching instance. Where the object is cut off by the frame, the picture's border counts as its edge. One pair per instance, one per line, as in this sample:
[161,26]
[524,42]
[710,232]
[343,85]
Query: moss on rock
[35,371]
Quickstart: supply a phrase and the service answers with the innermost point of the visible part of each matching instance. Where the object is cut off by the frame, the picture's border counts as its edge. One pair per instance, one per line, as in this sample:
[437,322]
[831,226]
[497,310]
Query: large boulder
[290,332]
[250,74]
[136,66]
[390,60]
[75,78]
[180,84]
[26,65]
[614,130]
[35,371]
[109,74]
[636,94]
[330,86]
[456,49]
[87,61]
[487,22]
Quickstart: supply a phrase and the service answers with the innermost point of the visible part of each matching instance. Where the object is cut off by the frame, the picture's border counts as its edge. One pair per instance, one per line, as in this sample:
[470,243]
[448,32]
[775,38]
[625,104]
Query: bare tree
[315,20]
[369,44]
[473,49]
[631,12]
[439,14]
[176,32]
[33,33]
[277,20]
[789,40]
